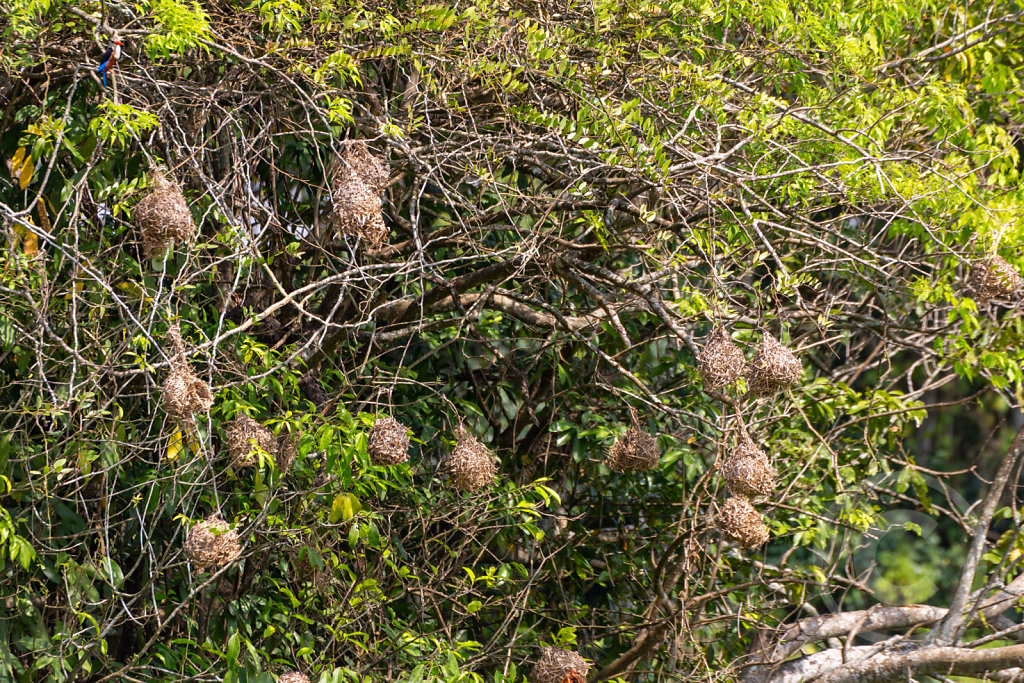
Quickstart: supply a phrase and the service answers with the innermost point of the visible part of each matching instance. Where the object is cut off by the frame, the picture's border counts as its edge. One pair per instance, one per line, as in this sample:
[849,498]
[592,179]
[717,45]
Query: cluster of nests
[773,368]
[358,180]
[163,216]
[747,473]
[994,278]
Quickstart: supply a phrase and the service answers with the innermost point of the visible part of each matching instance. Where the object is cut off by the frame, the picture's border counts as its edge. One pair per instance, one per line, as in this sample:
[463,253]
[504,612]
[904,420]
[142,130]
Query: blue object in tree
[109,59]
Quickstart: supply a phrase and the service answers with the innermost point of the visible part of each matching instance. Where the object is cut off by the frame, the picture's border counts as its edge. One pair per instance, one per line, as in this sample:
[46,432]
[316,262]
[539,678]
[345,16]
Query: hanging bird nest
[774,367]
[163,216]
[244,437]
[555,664]
[357,182]
[471,465]
[720,362]
[211,544]
[372,169]
[388,442]
[740,521]
[634,451]
[747,471]
[183,393]
[287,449]
[293,677]
[994,278]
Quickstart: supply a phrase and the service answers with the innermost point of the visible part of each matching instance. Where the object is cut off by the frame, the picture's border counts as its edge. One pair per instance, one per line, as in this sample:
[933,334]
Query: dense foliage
[576,195]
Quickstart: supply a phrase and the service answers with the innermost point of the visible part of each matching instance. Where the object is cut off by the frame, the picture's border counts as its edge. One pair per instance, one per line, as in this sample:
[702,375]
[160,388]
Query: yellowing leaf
[27,169]
[15,163]
[174,446]
[345,506]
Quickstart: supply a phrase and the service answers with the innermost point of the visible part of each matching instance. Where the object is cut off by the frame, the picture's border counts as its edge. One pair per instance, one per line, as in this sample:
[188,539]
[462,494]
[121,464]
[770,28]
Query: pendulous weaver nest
[720,362]
[287,449]
[244,435]
[994,278]
[388,442]
[747,471]
[182,392]
[293,677]
[163,216]
[634,451]
[211,544]
[774,367]
[373,170]
[357,181]
[741,522]
[555,664]
[471,464]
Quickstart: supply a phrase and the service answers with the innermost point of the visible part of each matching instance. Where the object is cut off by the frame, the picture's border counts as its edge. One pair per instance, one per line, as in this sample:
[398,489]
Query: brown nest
[246,438]
[555,664]
[183,393]
[720,362]
[741,522]
[634,451]
[287,448]
[994,278]
[373,170]
[471,465]
[163,216]
[357,182]
[747,471]
[211,544]
[388,442]
[293,677]
[774,368]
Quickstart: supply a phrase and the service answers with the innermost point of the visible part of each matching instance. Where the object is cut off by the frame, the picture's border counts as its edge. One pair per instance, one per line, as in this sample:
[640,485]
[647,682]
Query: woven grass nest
[555,664]
[774,368]
[244,435]
[287,449]
[211,544]
[994,278]
[388,442]
[358,180]
[293,677]
[182,392]
[163,215]
[720,362]
[747,471]
[471,465]
[634,451]
[740,521]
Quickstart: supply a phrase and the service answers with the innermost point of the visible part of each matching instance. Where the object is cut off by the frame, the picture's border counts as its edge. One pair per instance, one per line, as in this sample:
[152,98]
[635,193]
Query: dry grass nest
[293,677]
[388,442]
[163,215]
[471,464]
[720,362]
[211,544]
[358,180]
[555,664]
[287,449]
[183,393]
[747,471]
[634,451]
[774,368]
[994,278]
[244,436]
[740,521]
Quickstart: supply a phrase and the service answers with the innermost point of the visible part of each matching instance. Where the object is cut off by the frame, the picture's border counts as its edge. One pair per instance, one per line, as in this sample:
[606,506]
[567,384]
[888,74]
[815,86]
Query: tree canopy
[401,341]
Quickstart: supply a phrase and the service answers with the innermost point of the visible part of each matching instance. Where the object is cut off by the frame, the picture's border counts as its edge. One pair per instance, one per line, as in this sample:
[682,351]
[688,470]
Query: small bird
[109,59]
